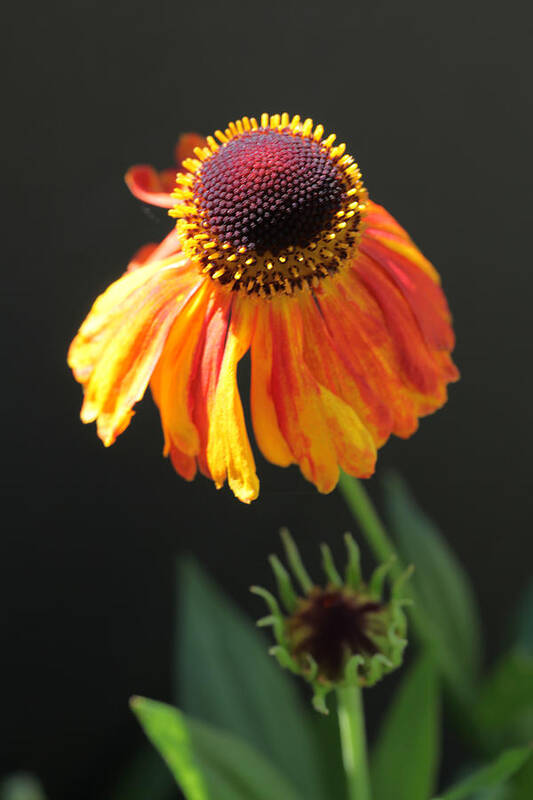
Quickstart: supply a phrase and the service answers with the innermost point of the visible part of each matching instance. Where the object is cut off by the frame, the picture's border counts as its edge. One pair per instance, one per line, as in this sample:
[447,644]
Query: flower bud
[344,633]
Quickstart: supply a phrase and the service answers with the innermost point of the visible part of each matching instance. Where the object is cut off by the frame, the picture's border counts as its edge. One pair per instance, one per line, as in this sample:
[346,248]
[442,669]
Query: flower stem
[381,545]
[353,742]
[363,510]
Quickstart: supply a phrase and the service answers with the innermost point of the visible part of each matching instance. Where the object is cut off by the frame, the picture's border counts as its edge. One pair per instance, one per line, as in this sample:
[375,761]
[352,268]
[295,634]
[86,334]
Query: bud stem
[353,742]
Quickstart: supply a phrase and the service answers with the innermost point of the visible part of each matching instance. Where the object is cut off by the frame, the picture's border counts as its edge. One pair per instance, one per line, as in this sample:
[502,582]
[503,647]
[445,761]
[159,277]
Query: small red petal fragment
[145,183]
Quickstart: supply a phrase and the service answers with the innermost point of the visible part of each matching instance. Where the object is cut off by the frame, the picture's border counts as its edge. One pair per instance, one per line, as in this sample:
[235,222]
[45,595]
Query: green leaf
[522,788]
[504,709]
[21,786]
[226,677]
[209,764]
[501,792]
[494,774]
[405,759]
[441,585]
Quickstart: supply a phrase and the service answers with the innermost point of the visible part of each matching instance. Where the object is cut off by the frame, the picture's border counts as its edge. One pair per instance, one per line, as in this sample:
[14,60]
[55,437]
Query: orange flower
[277,251]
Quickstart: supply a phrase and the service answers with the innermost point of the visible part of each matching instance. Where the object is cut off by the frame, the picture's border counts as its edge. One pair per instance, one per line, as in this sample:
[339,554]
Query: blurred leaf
[209,764]
[502,792]
[226,677]
[440,583]
[522,788]
[145,777]
[21,786]
[504,710]
[493,774]
[524,621]
[405,759]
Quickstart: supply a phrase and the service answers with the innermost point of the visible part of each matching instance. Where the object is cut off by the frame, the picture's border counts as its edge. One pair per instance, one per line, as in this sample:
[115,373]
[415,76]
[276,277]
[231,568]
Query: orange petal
[381,225]
[343,373]
[425,298]
[321,430]
[361,339]
[145,183]
[269,438]
[171,381]
[229,454]
[118,345]
[208,361]
[418,368]
[183,464]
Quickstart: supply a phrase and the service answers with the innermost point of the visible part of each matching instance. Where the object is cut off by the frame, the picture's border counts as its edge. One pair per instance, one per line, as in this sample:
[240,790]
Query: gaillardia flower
[279,252]
[345,633]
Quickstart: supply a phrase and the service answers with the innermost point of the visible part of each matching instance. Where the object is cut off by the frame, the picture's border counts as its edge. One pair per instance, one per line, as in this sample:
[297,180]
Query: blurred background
[434,102]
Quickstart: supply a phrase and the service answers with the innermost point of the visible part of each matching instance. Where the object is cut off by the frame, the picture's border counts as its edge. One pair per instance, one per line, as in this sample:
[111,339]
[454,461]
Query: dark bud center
[332,625]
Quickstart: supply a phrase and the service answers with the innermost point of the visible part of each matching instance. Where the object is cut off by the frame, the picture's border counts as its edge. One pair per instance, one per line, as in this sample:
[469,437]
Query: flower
[277,251]
[342,634]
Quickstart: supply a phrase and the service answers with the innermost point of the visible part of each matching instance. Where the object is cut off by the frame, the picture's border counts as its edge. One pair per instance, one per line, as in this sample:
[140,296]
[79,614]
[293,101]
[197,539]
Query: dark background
[434,101]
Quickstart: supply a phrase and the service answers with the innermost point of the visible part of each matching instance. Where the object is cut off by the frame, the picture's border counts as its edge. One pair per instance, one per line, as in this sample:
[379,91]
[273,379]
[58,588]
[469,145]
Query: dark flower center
[267,190]
[332,625]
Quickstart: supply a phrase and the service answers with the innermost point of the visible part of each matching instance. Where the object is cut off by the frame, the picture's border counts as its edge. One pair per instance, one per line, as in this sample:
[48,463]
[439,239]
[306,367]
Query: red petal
[146,184]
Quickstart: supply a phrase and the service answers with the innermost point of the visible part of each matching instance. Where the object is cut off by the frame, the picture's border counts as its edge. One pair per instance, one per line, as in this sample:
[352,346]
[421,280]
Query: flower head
[277,251]
[344,633]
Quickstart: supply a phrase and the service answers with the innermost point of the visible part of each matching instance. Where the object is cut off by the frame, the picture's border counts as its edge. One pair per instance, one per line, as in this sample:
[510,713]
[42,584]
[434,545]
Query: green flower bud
[345,633]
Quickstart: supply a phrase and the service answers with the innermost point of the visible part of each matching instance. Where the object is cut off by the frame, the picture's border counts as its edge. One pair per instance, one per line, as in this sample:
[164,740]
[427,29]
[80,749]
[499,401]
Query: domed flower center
[268,190]
[271,208]
[331,625]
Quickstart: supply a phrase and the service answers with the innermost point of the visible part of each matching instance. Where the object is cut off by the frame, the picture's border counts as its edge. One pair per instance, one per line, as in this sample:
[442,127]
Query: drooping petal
[171,381]
[202,380]
[417,366]
[208,362]
[321,430]
[382,226]
[229,454]
[360,337]
[266,428]
[343,373]
[118,345]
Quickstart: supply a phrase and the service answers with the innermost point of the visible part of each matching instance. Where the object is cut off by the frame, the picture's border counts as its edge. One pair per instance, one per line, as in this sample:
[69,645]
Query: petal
[360,338]
[381,225]
[423,295]
[118,345]
[172,377]
[417,366]
[321,430]
[229,454]
[208,362]
[268,435]
[183,464]
[145,183]
[344,372]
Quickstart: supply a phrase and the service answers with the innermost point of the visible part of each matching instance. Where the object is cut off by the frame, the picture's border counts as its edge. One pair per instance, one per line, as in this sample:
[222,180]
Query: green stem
[353,742]
[381,545]
[363,510]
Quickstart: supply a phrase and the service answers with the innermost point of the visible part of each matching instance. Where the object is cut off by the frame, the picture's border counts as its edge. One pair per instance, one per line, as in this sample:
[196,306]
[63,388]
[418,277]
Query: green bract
[345,633]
